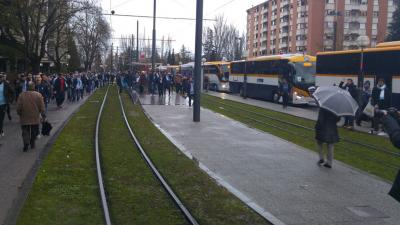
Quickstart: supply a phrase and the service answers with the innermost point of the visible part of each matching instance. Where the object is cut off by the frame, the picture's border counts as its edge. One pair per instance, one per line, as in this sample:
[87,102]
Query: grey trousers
[29,133]
[329,157]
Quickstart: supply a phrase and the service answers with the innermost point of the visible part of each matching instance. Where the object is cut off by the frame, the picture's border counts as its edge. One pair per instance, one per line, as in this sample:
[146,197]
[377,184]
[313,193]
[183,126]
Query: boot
[25,149]
[32,144]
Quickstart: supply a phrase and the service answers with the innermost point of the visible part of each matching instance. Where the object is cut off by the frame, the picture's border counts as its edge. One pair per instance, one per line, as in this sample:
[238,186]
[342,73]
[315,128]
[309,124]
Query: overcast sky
[181,31]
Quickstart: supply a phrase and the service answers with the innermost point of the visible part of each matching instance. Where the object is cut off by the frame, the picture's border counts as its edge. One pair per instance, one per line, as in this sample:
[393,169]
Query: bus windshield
[224,72]
[304,74]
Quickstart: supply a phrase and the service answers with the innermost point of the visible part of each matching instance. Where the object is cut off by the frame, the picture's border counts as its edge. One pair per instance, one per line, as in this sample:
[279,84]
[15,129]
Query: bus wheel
[275,97]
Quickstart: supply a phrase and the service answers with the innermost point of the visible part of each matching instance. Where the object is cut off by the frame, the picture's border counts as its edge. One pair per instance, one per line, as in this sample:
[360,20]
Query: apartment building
[310,26]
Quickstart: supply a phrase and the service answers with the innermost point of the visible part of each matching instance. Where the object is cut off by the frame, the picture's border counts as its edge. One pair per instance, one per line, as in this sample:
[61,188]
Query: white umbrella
[336,100]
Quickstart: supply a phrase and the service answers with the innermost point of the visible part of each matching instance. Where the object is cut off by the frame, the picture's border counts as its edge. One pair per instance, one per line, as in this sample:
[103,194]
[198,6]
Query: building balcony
[301,43]
[301,31]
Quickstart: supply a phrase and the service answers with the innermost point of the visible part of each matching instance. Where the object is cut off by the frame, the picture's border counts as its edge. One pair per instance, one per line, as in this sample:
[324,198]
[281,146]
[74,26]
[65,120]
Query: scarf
[382,94]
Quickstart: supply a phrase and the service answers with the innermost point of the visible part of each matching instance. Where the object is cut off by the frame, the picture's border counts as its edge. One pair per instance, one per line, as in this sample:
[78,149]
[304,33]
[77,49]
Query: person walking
[352,89]
[365,98]
[30,107]
[190,90]
[381,100]
[59,89]
[45,90]
[160,85]
[285,90]
[326,132]
[6,97]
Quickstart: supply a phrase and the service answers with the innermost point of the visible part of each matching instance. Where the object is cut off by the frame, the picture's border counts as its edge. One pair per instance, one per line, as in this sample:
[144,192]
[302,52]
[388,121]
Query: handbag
[369,110]
[46,128]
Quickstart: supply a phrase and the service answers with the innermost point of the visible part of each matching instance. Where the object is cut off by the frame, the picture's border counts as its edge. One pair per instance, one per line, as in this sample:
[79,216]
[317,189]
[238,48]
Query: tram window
[260,80]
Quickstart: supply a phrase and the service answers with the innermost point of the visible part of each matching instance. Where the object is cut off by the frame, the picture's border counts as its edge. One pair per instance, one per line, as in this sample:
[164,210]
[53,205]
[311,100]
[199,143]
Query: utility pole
[197,59]
[153,53]
[112,56]
[137,42]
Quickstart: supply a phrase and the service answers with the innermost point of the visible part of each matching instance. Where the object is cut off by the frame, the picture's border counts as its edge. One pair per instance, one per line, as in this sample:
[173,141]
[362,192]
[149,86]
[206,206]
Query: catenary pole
[197,65]
[137,41]
[153,54]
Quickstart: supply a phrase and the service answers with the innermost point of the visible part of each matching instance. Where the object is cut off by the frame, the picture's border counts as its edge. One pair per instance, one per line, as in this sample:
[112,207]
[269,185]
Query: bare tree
[220,40]
[28,25]
[92,33]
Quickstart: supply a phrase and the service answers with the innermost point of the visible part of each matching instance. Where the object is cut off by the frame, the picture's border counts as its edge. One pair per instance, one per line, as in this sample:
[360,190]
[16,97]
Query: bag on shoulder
[369,110]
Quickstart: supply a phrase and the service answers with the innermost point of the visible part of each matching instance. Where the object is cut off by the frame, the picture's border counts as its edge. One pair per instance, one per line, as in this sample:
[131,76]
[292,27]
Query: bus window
[304,74]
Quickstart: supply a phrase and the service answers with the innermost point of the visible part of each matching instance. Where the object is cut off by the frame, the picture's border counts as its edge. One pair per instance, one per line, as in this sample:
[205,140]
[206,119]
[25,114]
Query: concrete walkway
[308,112]
[16,167]
[277,178]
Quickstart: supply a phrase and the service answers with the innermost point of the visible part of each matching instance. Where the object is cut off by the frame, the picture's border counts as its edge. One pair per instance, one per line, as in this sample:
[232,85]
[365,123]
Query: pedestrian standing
[59,89]
[380,99]
[285,90]
[326,132]
[30,107]
[6,97]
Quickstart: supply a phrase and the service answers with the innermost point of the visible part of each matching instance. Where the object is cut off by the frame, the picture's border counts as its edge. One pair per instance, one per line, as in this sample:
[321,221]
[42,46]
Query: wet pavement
[17,167]
[173,99]
[277,178]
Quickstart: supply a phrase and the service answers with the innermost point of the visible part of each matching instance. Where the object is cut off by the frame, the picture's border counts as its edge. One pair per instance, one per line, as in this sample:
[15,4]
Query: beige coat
[30,105]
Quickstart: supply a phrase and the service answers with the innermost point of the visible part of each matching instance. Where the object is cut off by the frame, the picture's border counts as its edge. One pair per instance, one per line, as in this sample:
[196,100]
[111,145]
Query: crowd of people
[32,95]
[161,83]
[377,97]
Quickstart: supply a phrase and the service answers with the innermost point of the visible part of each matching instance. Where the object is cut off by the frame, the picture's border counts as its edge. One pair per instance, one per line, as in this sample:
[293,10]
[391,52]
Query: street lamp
[245,55]
[363,42]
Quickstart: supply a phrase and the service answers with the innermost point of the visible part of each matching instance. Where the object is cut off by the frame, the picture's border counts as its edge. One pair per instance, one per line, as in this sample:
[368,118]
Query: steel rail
[158,175]
[103,197]
[385,164]
[370,147]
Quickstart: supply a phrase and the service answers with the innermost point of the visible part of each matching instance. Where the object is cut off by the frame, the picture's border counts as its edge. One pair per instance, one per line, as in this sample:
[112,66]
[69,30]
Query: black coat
[392,127]
[351,88]
[375,98]
[326,129]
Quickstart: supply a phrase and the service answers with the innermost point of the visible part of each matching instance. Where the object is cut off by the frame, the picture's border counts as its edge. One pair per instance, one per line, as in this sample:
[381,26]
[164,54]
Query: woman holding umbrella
[334,103]
[326,132]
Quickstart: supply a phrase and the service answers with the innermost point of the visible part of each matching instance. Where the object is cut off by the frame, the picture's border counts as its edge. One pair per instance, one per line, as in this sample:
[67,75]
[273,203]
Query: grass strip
[134,194]
[378,163]
[65,190]
[208,202]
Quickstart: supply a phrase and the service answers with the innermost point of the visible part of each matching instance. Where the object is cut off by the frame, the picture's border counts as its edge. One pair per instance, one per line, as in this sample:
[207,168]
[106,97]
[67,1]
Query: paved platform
[277,178]
[15,165]
[308,112]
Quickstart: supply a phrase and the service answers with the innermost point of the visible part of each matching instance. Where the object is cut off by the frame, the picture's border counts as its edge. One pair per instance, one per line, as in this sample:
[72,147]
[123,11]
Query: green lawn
[134,194]
[65,190]
[208,202]
[378,163]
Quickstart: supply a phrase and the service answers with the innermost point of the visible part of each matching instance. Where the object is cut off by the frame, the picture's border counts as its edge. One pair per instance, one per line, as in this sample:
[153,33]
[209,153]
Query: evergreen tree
[394,27]
[169,59]
[173,61]
[74,62]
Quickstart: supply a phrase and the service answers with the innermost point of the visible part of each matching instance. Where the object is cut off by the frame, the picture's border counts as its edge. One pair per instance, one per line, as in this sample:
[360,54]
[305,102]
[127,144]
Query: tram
[264,75]
[383,61]
[217,74]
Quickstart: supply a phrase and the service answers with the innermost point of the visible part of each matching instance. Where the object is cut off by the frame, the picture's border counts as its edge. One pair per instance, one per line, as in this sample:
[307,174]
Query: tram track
[102,159]
[189,217]
[100,180]
[307,132]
